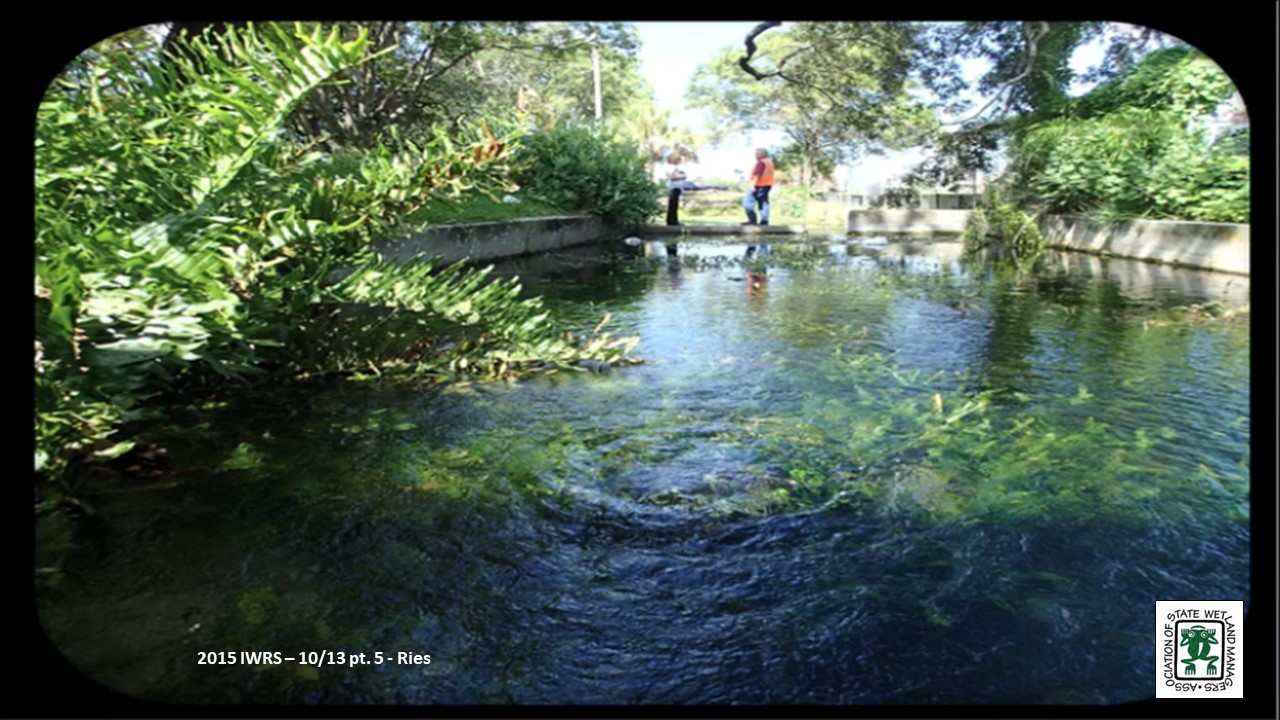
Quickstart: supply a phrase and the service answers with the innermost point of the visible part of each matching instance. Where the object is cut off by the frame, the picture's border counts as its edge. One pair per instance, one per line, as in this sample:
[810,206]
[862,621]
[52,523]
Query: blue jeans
[758,195]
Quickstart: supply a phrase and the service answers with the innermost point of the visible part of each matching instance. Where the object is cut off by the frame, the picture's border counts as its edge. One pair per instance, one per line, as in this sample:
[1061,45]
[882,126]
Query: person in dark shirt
[678,182]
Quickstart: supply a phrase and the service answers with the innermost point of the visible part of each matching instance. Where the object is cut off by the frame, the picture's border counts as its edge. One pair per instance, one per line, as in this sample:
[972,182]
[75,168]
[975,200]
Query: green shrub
[1197,183]
[997,218]
[1137,147]
[1134,163]
[579,168]
[183,241]
[1103,163]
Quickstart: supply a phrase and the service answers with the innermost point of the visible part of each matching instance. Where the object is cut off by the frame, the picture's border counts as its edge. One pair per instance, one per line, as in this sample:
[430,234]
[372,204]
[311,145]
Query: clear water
[846,473]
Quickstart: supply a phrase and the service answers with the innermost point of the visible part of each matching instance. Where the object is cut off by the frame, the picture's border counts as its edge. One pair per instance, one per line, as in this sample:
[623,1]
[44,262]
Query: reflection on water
[846,473]
[1144,280]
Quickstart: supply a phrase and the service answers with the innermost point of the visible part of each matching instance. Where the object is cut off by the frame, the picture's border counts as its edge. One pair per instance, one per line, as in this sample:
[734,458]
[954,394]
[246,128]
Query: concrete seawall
[1210,246]
[908,221]
[493,240]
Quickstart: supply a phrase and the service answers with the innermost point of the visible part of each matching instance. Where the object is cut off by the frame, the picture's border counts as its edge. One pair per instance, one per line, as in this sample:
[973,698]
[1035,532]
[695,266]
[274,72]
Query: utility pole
[595,62]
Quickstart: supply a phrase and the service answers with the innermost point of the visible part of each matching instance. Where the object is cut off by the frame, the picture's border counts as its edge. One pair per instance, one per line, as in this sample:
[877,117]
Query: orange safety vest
[766,178]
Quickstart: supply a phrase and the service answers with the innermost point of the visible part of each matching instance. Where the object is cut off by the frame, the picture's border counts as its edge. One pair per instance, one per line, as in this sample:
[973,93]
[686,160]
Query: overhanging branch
[1005,89]
[744,62]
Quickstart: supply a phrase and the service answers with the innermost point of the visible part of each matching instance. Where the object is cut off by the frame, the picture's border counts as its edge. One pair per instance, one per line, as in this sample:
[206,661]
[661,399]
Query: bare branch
[783,62]
[744,62]
[1005,88]
[418,68]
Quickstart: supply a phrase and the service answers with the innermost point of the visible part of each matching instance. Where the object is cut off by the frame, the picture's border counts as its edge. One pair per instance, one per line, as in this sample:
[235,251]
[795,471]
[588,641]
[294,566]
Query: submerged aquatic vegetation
[877,432]
[939,447]
[880,438]
[954,445]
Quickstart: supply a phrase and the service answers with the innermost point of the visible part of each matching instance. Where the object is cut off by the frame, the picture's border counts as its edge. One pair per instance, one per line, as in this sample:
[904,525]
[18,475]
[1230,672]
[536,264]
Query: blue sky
[673,50]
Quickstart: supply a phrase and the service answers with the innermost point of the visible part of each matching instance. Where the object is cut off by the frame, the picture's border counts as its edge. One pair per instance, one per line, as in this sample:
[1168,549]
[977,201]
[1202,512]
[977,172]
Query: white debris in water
[633,241]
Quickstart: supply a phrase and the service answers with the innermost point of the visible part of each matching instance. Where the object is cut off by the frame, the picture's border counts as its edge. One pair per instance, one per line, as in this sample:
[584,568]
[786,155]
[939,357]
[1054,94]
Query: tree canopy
[836,90]
[421,74]
[1028,76]
[841,88]
[1134,145]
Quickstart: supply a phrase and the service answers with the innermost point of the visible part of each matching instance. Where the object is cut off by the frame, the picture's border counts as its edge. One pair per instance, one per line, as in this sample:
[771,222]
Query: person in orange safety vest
[758,193]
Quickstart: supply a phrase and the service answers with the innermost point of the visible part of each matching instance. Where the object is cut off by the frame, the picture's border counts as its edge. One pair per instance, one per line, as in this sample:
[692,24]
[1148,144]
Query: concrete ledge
[493,240]
[908,221]
[1209,246]
[726,229]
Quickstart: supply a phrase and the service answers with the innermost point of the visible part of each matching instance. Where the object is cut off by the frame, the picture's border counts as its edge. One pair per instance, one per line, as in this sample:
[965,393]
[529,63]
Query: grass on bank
[479,208]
